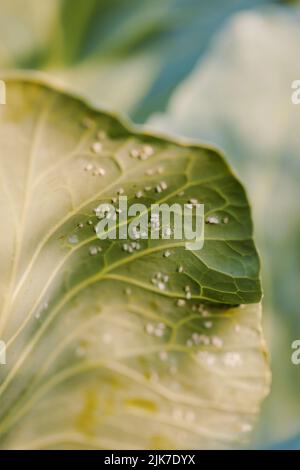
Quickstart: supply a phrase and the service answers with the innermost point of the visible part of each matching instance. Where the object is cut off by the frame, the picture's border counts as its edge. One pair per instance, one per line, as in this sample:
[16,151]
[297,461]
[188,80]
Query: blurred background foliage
[214,70]
[125,54]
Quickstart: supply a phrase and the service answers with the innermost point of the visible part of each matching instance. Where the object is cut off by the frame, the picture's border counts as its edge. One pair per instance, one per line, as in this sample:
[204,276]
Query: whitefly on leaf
[111,346]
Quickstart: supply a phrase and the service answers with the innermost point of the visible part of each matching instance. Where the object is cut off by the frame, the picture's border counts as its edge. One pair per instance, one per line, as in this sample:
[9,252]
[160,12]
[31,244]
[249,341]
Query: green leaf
[99,355]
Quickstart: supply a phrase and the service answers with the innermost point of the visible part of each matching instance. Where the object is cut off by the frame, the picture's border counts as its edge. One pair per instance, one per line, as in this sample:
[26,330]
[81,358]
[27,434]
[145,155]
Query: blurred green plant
[131,55]
[125,54]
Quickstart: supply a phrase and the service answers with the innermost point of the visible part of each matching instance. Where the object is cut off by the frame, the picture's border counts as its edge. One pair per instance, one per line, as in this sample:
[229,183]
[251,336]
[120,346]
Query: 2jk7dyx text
[151,459]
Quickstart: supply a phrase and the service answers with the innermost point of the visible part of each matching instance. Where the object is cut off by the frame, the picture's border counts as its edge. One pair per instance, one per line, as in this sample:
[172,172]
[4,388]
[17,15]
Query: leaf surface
[100,354]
